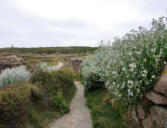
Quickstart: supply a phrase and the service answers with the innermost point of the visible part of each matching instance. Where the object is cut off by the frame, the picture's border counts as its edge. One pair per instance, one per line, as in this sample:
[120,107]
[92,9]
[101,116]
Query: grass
[103,114]
[40,117]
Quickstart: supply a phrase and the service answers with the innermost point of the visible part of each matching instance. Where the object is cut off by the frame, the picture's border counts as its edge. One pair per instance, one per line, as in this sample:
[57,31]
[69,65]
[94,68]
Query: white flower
[139,53]
[144,71]
[132,65]
[114,72]
[153,77]
[123,69]
[130,82]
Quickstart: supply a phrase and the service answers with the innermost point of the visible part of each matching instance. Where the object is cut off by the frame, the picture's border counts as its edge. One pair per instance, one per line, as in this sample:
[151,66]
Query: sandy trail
[79,116]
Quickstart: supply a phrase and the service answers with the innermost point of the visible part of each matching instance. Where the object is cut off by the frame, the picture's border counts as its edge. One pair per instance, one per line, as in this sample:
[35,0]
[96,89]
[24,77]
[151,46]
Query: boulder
[76,64]
[148,123]
[159,116]
[161,86]
[134,116]
[141,113]
[146,105]
[156,119]
[156,98]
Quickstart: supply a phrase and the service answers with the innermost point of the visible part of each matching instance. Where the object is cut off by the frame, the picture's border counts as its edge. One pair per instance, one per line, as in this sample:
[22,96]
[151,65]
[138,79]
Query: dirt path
[79,116]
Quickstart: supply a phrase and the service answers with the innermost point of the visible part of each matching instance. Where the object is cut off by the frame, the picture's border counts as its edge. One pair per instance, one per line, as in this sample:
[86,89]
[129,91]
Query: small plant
[14,75]
[59,103]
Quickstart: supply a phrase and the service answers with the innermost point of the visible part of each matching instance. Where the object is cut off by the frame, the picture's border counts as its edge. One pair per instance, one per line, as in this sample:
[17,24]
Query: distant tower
[12,46]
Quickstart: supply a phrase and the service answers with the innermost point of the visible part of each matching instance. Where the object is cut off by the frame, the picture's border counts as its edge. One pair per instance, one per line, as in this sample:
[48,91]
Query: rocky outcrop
[9,62]
[152,113]
[76,64]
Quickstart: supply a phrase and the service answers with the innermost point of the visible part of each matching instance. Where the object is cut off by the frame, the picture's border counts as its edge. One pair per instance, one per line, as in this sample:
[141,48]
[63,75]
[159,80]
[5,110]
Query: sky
[49,23]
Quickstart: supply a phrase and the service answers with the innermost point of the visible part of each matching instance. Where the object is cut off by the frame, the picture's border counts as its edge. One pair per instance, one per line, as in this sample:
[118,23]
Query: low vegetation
[14,75]
[51,50]
[103,114]
[14,102]
[33,101]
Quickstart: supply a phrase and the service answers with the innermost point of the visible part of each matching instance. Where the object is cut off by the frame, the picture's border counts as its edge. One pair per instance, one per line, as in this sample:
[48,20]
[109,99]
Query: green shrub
[13,103]
[64,78]
[59,103]
[44,79]
[14,75]
[55,80]
[36,93]
[131,65]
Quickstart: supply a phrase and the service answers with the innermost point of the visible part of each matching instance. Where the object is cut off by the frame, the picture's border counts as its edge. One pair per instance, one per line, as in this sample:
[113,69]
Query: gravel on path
[79,116]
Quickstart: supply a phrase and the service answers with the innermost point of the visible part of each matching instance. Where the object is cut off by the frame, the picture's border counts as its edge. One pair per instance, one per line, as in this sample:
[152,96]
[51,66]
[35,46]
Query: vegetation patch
[14,75]
[34,104]
[131,65]
[14,102]
[51,50]
[103,114]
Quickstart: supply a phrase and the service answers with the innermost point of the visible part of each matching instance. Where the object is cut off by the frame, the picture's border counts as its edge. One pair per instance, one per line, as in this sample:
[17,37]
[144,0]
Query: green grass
[40,117]
[103,114]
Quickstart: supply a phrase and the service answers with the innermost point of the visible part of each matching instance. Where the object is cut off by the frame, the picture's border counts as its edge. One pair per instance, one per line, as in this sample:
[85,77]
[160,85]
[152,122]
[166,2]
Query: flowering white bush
[130,66]
[44,66]
[14,75]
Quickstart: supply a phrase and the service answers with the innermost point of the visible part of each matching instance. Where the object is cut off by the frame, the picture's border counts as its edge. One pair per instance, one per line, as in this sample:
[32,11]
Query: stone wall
[152,112]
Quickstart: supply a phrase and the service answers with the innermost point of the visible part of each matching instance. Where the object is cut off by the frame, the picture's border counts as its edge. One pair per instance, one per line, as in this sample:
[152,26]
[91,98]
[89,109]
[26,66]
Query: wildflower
[130,82]
[132,65]
[144,71]
[139,53]
[153,77]
[114,72]
[123,69]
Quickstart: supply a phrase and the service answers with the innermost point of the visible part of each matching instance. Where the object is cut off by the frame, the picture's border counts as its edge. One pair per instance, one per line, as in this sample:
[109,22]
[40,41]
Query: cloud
[33,23]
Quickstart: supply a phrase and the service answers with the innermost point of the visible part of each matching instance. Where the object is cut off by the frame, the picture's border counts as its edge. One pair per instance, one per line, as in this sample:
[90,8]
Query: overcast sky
[39,23]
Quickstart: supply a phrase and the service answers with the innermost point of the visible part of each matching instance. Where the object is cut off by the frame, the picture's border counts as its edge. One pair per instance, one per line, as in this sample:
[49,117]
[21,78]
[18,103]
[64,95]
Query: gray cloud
[24,30]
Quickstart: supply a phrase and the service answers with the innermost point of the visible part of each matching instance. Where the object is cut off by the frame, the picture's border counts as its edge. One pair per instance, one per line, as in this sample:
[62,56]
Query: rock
[159,116]
[161,86]
[141,113]
[146,105]
[148,123]
[76,64]
[156,119]
[156,98]
[134,116]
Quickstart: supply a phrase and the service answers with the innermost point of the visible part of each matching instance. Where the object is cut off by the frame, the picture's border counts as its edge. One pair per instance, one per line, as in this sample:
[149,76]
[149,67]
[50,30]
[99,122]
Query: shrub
[14,75]
[36,93]
[59,103]
[130,66]
[43,78]
[54,80]
[48,68]
[13,103]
